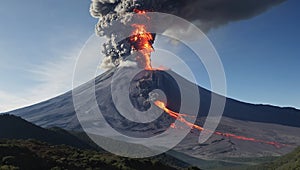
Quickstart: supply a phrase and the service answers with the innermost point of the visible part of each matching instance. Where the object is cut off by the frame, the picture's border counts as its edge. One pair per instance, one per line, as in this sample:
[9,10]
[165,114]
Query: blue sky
[40,41]
[261,56]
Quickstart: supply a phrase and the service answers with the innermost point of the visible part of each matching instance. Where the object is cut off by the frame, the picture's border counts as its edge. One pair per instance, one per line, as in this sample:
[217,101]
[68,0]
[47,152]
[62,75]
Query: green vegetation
[32,154]
[20,149]
[289,161]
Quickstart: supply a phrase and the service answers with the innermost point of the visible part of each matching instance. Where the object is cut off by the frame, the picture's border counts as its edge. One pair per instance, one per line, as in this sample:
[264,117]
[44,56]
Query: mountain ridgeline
[59,111]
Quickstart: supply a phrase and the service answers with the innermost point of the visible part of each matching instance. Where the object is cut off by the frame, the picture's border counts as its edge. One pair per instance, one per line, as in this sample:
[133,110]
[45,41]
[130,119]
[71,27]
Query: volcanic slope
[264,122]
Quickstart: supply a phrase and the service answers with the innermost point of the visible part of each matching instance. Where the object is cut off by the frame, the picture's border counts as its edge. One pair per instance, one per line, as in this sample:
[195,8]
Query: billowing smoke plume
[206,14]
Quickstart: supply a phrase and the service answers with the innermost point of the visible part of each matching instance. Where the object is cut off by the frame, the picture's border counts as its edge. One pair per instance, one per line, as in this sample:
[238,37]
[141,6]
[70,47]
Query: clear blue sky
[261,56]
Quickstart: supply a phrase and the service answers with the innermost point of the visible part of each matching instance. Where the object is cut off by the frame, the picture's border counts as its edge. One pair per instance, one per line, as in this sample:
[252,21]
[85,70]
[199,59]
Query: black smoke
[206,14]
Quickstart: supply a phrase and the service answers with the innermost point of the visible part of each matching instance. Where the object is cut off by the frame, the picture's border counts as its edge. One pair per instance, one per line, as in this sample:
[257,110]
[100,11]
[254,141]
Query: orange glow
[139,11]
[142,40]
[181,118]
[173,125]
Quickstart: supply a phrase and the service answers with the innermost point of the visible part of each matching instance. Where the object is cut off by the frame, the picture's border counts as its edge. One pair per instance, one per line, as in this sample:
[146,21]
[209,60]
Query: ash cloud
[206,14]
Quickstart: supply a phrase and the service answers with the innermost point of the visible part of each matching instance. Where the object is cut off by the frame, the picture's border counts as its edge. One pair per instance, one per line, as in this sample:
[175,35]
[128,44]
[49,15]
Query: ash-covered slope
[264,122]
[59,111]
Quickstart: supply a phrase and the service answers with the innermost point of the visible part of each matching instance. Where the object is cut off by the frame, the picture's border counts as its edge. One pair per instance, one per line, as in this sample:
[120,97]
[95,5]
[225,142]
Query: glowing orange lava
[181,118]
[142,40]
[139,11]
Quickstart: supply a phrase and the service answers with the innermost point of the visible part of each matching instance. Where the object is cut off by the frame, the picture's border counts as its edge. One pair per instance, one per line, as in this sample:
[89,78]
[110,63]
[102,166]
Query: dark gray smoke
[206,14]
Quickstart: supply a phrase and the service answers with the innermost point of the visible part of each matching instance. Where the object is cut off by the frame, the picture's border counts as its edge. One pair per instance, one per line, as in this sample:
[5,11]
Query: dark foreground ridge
[32,154]
[27,146]
[13,127]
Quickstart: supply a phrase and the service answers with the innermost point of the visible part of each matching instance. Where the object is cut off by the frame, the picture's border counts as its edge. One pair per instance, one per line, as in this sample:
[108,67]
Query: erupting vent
[142,41]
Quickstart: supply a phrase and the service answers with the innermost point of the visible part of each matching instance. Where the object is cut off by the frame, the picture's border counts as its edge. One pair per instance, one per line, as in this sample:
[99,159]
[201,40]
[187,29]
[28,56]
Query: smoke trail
[206,14]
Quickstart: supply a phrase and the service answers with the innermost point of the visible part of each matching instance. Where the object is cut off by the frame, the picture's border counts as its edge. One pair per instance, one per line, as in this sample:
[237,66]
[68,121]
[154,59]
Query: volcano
[264,122]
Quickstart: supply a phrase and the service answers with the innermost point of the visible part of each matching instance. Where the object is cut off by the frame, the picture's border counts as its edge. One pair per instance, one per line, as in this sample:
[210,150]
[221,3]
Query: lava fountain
[142,41]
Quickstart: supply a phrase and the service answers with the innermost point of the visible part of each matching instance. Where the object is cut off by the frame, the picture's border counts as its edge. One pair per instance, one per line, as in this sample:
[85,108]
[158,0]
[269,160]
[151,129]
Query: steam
[206,14]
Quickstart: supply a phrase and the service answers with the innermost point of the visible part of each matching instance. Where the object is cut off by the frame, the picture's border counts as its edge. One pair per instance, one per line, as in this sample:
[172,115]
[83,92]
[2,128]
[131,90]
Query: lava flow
[142,41]
[181,118]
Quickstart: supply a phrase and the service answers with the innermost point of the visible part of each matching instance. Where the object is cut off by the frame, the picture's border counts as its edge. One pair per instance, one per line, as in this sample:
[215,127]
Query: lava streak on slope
[141,40]
[181,118]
